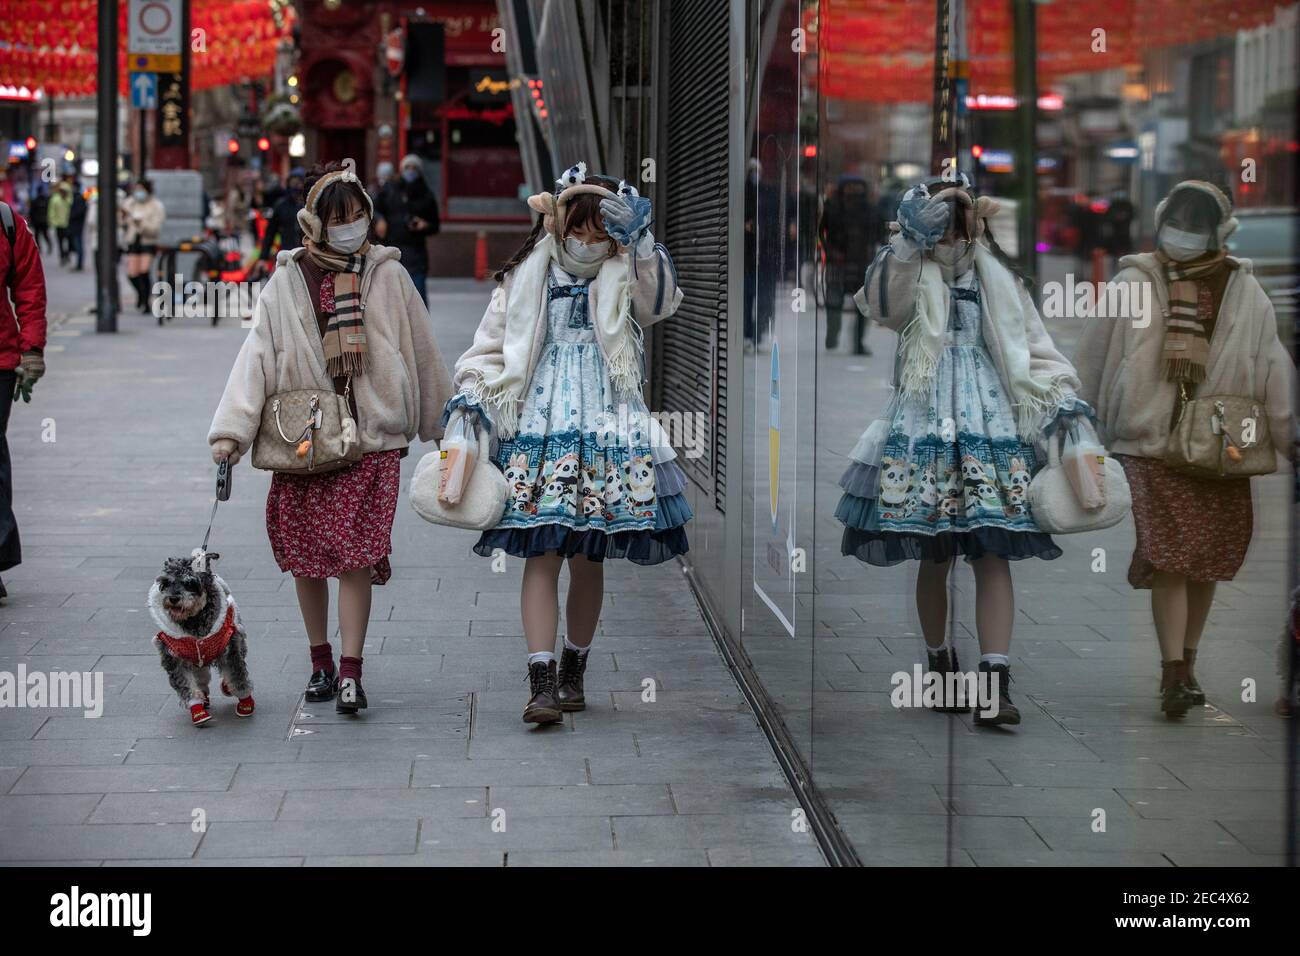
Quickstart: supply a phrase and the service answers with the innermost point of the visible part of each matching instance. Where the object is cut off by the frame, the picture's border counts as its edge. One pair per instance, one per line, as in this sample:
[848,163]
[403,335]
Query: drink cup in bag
[1083,457]
[458,451]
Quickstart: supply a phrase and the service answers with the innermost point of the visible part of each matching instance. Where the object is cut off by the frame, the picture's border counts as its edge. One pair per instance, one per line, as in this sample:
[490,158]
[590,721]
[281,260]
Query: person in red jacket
[22,347]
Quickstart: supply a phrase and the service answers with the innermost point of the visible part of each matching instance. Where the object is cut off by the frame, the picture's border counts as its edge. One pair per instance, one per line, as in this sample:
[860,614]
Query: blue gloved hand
[627,218]
[923,221]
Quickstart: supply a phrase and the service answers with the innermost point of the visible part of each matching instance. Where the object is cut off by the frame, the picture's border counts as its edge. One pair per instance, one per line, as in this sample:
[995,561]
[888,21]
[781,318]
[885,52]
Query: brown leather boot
[542,706]
[568,692]
[943,663]
[1198,695]
[1175,698]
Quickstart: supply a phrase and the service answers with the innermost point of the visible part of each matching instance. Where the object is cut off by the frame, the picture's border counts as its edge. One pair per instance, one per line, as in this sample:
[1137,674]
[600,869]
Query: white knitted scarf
[610,303]
[1004,328]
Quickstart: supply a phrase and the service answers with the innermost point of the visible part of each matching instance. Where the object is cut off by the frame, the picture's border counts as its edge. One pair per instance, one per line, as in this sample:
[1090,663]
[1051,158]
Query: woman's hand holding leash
[226,450]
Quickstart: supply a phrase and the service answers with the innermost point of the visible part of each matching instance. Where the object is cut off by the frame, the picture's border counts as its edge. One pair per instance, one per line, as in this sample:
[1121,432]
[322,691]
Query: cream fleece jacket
[143,220]
[1119,365]
[655,296]
[401,394]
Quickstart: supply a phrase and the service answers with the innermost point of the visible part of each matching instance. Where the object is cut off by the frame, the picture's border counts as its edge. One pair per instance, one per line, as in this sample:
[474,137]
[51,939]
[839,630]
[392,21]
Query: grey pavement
[112,475]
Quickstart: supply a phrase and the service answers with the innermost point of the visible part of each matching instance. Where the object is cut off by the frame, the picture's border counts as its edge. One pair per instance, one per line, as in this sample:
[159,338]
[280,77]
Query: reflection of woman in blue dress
[945,470]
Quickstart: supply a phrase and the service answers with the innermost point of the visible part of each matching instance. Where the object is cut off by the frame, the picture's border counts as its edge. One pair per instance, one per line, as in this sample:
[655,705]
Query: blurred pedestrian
[59,211]
[22,354]
[283,224]
[1209,330]
[406,214]
[40,217]
[1118,225]
[850,231]
[142,216]
[77,226]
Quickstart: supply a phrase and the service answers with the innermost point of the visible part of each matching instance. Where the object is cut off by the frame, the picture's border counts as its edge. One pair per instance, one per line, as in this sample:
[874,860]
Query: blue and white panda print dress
[589,472]
[945,474]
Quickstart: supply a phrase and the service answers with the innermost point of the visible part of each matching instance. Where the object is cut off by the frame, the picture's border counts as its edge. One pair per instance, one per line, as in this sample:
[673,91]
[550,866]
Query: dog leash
[223,494]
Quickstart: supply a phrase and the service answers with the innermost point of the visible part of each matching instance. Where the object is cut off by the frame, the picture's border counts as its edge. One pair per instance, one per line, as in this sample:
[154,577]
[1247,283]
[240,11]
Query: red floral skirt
[322,526]
[1197,527]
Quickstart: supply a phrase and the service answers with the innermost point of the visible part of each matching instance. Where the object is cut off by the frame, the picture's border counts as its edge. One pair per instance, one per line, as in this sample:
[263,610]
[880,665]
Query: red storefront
[375,87]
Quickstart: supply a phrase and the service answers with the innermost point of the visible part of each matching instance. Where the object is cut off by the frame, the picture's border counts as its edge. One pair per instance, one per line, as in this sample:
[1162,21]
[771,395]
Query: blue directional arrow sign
[144,91]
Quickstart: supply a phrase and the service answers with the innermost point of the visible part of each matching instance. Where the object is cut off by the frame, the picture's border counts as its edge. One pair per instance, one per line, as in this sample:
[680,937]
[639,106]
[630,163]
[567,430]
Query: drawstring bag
[482,499]
[1055,505]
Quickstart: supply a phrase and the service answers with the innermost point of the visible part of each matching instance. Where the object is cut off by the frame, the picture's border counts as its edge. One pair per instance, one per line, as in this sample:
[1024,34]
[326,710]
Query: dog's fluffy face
[182,593]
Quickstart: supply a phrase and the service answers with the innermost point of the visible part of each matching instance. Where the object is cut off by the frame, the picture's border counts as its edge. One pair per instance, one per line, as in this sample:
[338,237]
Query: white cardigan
[654,296]
[401,394]
[1119,365]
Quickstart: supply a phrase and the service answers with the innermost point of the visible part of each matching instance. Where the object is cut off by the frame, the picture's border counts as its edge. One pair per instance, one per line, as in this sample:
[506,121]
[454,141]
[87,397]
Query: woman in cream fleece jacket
[337,314]
[1210,330]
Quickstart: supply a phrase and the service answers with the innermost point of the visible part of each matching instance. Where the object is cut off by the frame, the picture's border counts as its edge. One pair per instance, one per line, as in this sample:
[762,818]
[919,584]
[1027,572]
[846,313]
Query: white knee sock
[569,645]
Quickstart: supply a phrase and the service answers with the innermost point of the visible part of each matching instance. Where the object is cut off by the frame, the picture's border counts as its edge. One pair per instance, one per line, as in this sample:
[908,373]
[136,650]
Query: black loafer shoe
[322,685]
[351,697]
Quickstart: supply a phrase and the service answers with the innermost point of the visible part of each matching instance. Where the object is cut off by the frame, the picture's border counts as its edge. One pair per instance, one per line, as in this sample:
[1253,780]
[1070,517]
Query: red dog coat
[202,650]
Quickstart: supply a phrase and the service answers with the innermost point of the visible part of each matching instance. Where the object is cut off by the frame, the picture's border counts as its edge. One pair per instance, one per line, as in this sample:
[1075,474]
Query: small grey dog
[199,627]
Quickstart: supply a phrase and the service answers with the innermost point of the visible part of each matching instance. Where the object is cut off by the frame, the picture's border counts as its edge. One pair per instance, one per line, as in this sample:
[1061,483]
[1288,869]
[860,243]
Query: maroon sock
[322,657]
[350,667]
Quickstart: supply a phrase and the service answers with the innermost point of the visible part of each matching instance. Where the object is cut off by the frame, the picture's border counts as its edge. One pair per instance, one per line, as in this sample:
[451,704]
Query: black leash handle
[223,494]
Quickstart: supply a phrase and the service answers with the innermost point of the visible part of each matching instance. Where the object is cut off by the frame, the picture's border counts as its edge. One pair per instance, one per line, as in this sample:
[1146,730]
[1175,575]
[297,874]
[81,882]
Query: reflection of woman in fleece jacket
[556,372]
[945,470]
[1191,532]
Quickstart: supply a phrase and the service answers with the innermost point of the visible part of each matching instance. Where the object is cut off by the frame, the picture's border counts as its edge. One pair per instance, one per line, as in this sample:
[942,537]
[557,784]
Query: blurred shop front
[775,139]
[381,79]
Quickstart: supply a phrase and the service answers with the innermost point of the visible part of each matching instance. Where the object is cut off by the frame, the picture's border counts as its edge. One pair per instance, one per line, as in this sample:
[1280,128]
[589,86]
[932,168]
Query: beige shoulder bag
[1220,436]
[307,431]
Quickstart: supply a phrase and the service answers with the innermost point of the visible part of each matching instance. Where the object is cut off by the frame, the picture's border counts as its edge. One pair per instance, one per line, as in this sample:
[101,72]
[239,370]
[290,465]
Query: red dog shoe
[245,707]
[226,690]
[199,715]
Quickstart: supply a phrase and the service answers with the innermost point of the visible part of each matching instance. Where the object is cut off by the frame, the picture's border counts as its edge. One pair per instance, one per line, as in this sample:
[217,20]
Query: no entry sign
[154,28]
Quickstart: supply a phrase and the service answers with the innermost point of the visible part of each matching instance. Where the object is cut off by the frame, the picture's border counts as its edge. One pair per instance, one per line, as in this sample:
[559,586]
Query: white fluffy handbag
[1055,506]
[482,503]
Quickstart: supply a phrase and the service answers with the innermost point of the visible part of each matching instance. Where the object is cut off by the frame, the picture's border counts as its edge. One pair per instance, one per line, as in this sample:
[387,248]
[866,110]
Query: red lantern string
[52,45]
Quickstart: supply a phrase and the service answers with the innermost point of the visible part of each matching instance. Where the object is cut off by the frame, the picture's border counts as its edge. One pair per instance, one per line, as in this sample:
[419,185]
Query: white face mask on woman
[1182,246]
[350,236]
[586,251]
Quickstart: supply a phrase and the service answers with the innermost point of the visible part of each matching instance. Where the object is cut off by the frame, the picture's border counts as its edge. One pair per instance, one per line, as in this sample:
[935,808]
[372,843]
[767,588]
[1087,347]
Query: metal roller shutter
[692,368]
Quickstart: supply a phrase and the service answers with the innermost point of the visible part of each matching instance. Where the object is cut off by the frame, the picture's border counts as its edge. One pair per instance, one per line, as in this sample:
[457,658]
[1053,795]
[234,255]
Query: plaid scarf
[340,298]
[1191,312]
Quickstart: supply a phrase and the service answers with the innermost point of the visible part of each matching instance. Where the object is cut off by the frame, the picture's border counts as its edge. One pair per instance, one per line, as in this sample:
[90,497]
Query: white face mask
[349,236]
[1182,246]
[586,251]
[140,195]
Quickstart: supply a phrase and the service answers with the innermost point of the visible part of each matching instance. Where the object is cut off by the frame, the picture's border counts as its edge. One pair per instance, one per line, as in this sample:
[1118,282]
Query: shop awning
[52,45]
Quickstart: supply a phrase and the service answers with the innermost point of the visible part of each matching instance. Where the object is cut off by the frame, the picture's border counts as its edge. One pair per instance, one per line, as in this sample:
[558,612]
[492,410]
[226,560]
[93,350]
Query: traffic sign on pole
[144,91]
